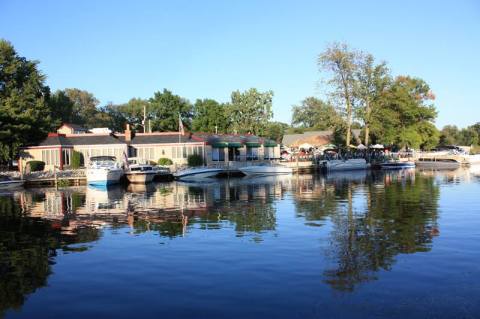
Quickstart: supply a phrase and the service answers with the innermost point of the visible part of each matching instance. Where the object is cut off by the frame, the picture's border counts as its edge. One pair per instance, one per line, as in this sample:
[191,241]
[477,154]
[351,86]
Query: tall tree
[133,113]
[405,114]
[210,116]
[250,111]
[84,107]
[275,131]
[339,62]
[24,111]
[314,113]
[370,81]
[62,107]
[165,108]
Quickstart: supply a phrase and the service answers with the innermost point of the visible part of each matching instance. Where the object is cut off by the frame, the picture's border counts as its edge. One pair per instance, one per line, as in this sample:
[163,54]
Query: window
[269,152]
[51,157]
[218,154]
[252,153]
[184,151]
[66,157]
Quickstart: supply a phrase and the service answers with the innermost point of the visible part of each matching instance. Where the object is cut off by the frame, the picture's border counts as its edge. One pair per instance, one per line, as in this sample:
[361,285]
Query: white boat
[8,183]
[194,173]
[265,169]
[397,165]
[344,165]
[103,170]
[139,171]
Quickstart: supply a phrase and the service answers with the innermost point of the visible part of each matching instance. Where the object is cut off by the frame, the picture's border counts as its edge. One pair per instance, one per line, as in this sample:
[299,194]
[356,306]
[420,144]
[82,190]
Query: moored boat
[193,173]
[8,183]
[103,170]
[397,165]
[139,171]
[344,165]
[265,169]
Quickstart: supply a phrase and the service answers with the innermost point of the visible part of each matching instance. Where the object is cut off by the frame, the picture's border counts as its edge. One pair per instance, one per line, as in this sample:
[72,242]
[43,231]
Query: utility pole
[144,122]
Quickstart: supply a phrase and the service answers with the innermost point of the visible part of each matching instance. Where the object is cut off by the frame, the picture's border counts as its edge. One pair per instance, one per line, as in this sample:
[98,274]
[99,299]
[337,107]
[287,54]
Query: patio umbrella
[377,146]
[305,146]
[361,147]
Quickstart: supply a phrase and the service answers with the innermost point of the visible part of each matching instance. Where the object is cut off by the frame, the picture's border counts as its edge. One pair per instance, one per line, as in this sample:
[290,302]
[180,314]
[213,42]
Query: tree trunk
[349,122]
[367,121]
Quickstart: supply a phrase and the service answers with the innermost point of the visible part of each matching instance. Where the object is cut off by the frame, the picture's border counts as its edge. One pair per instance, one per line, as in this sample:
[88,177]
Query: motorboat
[265,169]
[194,173]
[6,182]
[139,171]
[344,164]
[397,165]
[103,170]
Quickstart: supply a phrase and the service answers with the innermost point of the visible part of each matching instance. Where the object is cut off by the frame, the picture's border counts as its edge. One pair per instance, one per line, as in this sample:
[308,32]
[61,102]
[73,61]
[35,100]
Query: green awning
[219,144]
[234,144]
[252,144]
[270,144]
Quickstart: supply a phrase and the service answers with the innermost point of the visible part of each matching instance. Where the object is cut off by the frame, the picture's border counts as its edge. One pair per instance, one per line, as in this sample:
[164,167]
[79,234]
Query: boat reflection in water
[361,221]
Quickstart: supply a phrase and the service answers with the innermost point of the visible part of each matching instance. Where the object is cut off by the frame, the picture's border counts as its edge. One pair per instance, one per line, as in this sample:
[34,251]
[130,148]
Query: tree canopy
[210,116]
[315,113]
[165,108]
[25,115]
[250,111]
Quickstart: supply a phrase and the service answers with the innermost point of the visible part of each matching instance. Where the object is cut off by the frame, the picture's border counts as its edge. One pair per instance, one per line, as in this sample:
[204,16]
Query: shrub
[164,161]
[63,183]
[76,161]
[195,160]
[35,166]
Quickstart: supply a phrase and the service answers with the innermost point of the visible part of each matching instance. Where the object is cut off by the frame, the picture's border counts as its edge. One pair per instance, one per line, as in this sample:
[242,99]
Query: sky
[207,49]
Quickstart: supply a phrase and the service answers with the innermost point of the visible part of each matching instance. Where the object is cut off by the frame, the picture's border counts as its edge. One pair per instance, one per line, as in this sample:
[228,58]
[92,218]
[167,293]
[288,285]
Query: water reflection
[368,219]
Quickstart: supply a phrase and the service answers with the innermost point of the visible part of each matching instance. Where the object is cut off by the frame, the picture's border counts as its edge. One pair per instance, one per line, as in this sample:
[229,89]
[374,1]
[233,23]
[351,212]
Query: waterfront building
[57,149]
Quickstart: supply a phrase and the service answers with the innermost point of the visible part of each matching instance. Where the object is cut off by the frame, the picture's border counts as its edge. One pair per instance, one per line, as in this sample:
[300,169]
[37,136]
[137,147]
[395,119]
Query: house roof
[315,138]
[55,139]
[159,138]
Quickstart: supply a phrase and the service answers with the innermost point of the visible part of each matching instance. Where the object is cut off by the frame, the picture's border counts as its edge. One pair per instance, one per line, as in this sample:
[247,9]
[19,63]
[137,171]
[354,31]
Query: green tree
[371,79]
[315,113]
[84,107]
[404,116]
[338,61]
[250,111]
[468,136]
[275,131]
[25,115]
[449,135]
[62,107]
[165,108]
[210,116]
[132,112]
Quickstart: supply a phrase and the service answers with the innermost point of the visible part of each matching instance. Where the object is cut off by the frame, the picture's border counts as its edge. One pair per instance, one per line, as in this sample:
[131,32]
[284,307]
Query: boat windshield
[102,159]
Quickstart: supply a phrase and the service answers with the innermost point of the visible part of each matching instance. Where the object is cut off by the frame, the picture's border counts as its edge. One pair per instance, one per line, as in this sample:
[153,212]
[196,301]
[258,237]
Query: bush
[165,161]
[195,160]
[35,166]
[76,161]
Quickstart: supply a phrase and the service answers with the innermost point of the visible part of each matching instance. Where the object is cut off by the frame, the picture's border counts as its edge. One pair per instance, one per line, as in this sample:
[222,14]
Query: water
[352,245]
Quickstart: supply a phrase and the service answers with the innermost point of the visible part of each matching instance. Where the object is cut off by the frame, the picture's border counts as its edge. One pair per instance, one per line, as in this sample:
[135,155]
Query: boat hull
[344,165]
[140,177]
[397,165]
[197,173]
[103,176]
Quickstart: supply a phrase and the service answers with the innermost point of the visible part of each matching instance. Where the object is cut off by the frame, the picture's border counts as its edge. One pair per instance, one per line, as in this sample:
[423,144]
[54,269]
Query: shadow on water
[370,218]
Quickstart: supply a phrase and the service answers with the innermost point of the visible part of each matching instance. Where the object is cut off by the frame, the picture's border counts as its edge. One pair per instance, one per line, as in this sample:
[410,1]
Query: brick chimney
[128,134]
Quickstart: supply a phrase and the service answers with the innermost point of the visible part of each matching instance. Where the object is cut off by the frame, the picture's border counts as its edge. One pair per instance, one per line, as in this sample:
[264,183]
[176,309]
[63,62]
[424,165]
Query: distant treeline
[361,93]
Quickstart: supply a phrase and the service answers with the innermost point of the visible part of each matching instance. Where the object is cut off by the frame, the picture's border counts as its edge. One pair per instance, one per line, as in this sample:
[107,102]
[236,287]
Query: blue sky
[199,49]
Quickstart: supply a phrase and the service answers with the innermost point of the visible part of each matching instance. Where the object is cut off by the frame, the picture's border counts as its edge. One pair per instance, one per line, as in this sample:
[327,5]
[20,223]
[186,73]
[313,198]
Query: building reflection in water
[368,218]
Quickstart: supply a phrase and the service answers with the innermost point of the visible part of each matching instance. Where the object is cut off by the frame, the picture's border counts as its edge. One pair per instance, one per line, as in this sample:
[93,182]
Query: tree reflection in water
[27,247]
[399,217]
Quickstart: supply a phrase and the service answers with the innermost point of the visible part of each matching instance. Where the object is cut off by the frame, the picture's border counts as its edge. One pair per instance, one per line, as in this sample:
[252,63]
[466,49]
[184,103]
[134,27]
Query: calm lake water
[353,245]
